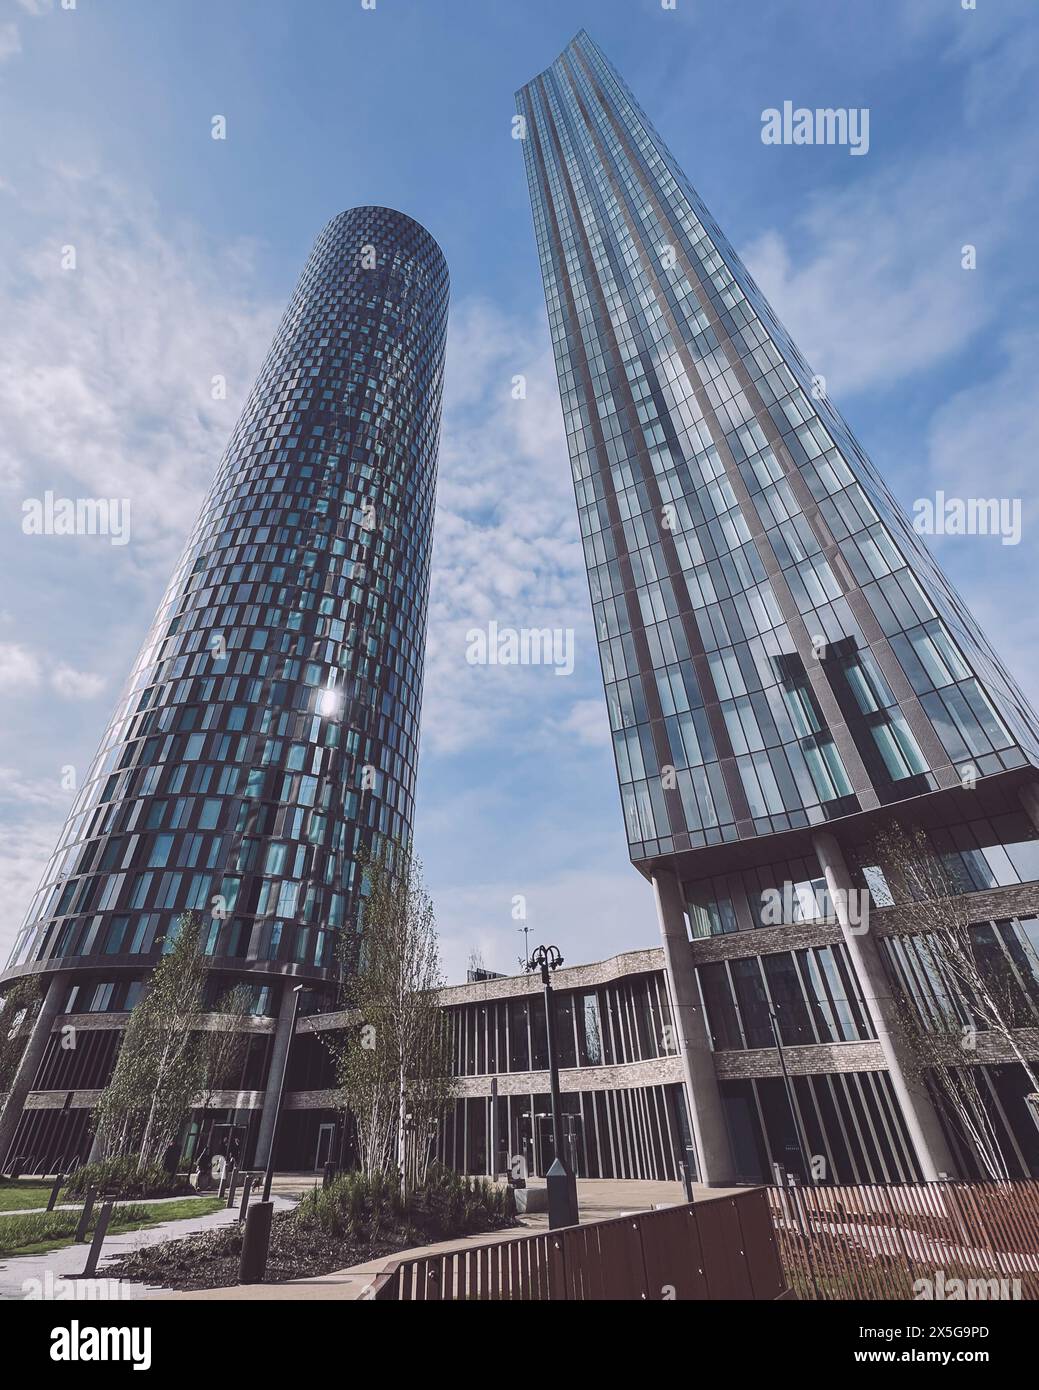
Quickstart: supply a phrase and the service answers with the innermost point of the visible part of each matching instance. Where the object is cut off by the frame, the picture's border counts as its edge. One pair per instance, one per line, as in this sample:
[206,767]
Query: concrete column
[1029,798]
[703,1098]
[21,1085]
[492,1131]
[279,1056]
[925,1130]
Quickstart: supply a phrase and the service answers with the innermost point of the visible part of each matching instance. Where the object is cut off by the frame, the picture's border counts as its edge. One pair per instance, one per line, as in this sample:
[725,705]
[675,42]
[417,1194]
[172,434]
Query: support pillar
[925,1130]
[493,1143]
[1029,798]
[271,1096]
[703,1098]
[21,1083]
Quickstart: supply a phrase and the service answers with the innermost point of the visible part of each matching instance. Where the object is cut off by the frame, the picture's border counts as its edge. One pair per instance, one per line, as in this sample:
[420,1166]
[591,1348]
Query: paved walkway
[23,1275]
[600,1200]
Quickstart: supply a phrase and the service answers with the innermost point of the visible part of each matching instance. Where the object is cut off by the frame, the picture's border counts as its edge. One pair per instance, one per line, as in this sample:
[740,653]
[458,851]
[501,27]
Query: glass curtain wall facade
[780,653]
[269,728]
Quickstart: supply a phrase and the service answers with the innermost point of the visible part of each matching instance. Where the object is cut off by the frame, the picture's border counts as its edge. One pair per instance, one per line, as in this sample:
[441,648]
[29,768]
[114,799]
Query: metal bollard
[256,1243]
[85,1214]
[232,1188]
[54,1191]
[100,1231]
[687,1182]
[247,1187]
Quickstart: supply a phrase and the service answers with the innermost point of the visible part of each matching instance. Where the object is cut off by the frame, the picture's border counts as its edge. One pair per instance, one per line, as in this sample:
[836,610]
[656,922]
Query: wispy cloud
[10,41]
[589,914]
[77,685]
[869,280]
[19,668]
[984,442]
[588,723]
[22,670]
[507,546]
[115,329]
[868,277]
[41,793]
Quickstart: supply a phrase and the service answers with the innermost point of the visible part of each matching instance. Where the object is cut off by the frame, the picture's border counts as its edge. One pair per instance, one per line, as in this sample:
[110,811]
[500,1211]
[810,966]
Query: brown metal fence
[723,1248]
[879,1242]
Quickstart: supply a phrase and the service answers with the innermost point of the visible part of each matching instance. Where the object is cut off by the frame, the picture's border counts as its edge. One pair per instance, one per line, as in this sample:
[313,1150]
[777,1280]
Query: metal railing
[909,1241]
[720,1248]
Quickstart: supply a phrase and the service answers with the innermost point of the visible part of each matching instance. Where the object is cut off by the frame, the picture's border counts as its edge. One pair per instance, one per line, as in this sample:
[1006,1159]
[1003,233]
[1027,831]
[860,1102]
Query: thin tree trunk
[402,1121]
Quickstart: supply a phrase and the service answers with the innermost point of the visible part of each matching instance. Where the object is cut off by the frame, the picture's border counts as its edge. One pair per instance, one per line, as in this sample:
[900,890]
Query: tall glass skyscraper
[269,728]
[784,662]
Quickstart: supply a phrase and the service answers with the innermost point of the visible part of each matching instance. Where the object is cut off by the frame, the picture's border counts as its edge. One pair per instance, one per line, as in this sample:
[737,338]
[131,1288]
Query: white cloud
[988,434]
[507,543]
[588,721]
[36,7]
[589,915]
[984,443]
[33,811]
[10,43]
[24,792]
[869,281]
[106,369]
[24,851]
[77,685]
[19,668]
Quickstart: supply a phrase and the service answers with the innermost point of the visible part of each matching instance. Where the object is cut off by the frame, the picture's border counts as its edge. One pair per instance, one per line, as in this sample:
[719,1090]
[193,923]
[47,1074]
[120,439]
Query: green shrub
[353,1205]
[120,1178]
[452,1205]
[448,1205]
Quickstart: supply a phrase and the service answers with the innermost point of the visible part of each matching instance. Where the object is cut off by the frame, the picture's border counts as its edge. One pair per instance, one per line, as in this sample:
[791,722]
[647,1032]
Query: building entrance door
[325,1140]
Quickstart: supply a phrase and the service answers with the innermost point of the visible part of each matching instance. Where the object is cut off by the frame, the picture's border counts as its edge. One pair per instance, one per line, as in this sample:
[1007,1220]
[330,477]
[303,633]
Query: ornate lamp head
[545,959]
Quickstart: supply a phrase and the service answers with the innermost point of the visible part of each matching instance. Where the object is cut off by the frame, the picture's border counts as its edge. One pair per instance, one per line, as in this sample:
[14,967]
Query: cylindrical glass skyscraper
[269,728]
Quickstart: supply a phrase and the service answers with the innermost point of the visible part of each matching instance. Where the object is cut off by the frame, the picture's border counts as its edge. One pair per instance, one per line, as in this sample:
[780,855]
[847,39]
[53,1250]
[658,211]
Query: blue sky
[188,248]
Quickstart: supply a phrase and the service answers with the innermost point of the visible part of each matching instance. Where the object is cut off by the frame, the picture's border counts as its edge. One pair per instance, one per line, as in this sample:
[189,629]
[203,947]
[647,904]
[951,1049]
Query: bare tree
[960,993]
[392,1067]
[159,1070]
[222,1045]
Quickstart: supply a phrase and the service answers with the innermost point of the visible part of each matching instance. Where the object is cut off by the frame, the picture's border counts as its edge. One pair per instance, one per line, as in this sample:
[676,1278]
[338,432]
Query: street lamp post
[269,1175]
[561,1182]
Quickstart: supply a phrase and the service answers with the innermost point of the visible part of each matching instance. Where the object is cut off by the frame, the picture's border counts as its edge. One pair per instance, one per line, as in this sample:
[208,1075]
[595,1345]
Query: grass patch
[40,1232]
[23,1193]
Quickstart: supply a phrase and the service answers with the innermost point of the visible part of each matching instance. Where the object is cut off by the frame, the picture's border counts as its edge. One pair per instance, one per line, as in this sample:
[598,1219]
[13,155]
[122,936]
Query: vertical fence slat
[874,1242]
